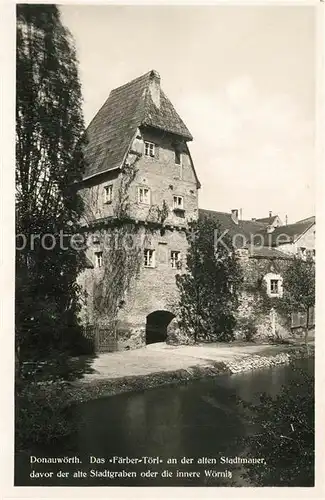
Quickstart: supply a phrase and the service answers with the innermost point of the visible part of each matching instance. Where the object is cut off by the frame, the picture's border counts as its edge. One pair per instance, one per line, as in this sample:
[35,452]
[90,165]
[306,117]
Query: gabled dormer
[138,128]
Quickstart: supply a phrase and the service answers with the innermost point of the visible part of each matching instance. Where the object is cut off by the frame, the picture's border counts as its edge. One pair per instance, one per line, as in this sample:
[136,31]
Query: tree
[49,162]
[284,435]
[299,289]
[210,285]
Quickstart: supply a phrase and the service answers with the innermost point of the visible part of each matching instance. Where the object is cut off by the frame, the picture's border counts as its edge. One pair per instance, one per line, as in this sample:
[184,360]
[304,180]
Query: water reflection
[201,419]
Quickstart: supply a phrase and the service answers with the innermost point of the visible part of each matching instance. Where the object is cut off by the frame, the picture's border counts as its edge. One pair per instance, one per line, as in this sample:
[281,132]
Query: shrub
[44,414]
[247,328]
[284,435]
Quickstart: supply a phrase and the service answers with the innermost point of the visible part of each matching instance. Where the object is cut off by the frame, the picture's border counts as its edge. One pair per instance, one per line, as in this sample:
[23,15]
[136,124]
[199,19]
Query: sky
[243,80]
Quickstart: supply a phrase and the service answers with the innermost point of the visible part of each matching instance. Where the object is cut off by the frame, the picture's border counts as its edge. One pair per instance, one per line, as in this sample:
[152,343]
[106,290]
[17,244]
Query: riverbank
[159,365]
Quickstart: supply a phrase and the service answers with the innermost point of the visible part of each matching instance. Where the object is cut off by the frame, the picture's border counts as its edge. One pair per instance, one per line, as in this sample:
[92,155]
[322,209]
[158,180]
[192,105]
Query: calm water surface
[196,420]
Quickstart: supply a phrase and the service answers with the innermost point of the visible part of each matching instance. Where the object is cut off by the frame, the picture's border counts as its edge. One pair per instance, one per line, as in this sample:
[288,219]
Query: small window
[149,149]
[99,259]
[303,251]
[144,195]
[178,157]
[175,259]
[149,258]
[178,203]
[108,193]
[274,287]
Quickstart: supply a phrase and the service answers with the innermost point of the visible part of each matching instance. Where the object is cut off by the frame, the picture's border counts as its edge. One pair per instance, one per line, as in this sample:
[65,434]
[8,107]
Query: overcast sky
[242,79]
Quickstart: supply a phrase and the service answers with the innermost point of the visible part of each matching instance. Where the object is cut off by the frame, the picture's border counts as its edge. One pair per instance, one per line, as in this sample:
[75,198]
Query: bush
[247,328]
[43,414]
[284,435]
[209,287]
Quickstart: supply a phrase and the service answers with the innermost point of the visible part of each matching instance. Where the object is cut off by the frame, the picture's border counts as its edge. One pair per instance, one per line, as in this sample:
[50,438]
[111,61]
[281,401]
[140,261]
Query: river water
[197,422]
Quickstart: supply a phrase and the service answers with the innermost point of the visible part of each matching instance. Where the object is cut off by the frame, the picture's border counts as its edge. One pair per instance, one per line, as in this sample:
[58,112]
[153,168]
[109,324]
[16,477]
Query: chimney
[240,214]
[270,213]
[154,87]
[286,220]
[234,215]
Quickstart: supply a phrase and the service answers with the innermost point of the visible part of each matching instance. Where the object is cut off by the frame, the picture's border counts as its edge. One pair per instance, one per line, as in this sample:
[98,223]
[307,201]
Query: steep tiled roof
[268,253]
[308,219]
[286,234]
[267,220]
[243,230]
[128,107]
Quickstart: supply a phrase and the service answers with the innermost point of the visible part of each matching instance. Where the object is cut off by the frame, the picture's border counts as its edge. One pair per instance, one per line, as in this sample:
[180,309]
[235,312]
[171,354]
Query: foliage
[299,288]
[43,415]
[49,161]
[299,285]
[247,327]
[209,287]
[122,241]
[285,435]
[129,172]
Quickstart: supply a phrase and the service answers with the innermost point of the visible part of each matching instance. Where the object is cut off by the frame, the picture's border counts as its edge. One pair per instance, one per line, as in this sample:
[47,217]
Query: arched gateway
[156,326]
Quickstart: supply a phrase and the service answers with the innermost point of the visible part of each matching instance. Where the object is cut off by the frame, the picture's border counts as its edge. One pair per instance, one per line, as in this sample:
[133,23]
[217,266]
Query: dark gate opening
[156,326]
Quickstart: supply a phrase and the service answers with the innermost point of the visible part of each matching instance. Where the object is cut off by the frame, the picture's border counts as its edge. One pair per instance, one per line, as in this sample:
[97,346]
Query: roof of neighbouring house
[308,219]
[268,220]
[244,229]
[268,253]
[128,107]
[286,234]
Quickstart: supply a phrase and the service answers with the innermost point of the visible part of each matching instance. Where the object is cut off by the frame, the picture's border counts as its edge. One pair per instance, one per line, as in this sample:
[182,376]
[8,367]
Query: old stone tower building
[140,191]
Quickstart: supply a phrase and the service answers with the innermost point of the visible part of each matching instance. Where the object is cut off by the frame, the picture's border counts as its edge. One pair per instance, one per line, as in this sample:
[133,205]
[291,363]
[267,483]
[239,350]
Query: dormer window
[178,203]
[144,195]
[149,149]
[108,193]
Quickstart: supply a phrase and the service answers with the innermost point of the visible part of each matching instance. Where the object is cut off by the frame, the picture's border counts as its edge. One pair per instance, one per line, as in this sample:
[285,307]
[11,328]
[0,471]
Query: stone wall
[255,316]
[165,179]
[146,290]
[123,288]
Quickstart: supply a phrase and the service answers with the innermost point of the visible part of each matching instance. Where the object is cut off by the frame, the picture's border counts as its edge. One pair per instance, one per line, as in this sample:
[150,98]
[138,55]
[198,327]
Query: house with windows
[270,221]
[140,191]
[294,239]
[266,247]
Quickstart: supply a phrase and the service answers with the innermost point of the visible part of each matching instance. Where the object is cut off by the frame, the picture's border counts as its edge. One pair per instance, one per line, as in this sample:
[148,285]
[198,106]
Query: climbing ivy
[122,240]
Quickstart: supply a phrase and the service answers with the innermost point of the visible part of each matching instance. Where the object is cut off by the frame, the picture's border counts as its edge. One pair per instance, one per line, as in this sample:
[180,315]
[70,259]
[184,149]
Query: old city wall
[255,317]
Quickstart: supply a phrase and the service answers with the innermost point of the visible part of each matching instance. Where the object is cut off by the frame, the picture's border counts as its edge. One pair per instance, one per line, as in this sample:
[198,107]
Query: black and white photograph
[165,233]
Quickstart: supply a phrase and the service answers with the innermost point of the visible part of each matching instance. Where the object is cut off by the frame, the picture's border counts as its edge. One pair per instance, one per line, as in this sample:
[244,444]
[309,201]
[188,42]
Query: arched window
[274,286]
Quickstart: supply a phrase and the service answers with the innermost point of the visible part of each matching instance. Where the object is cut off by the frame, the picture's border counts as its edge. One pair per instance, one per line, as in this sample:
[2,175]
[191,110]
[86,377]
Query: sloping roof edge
[305,231]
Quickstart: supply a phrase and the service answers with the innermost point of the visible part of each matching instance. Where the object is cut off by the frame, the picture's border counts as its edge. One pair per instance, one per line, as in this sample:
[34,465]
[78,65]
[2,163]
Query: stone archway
[156,326]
